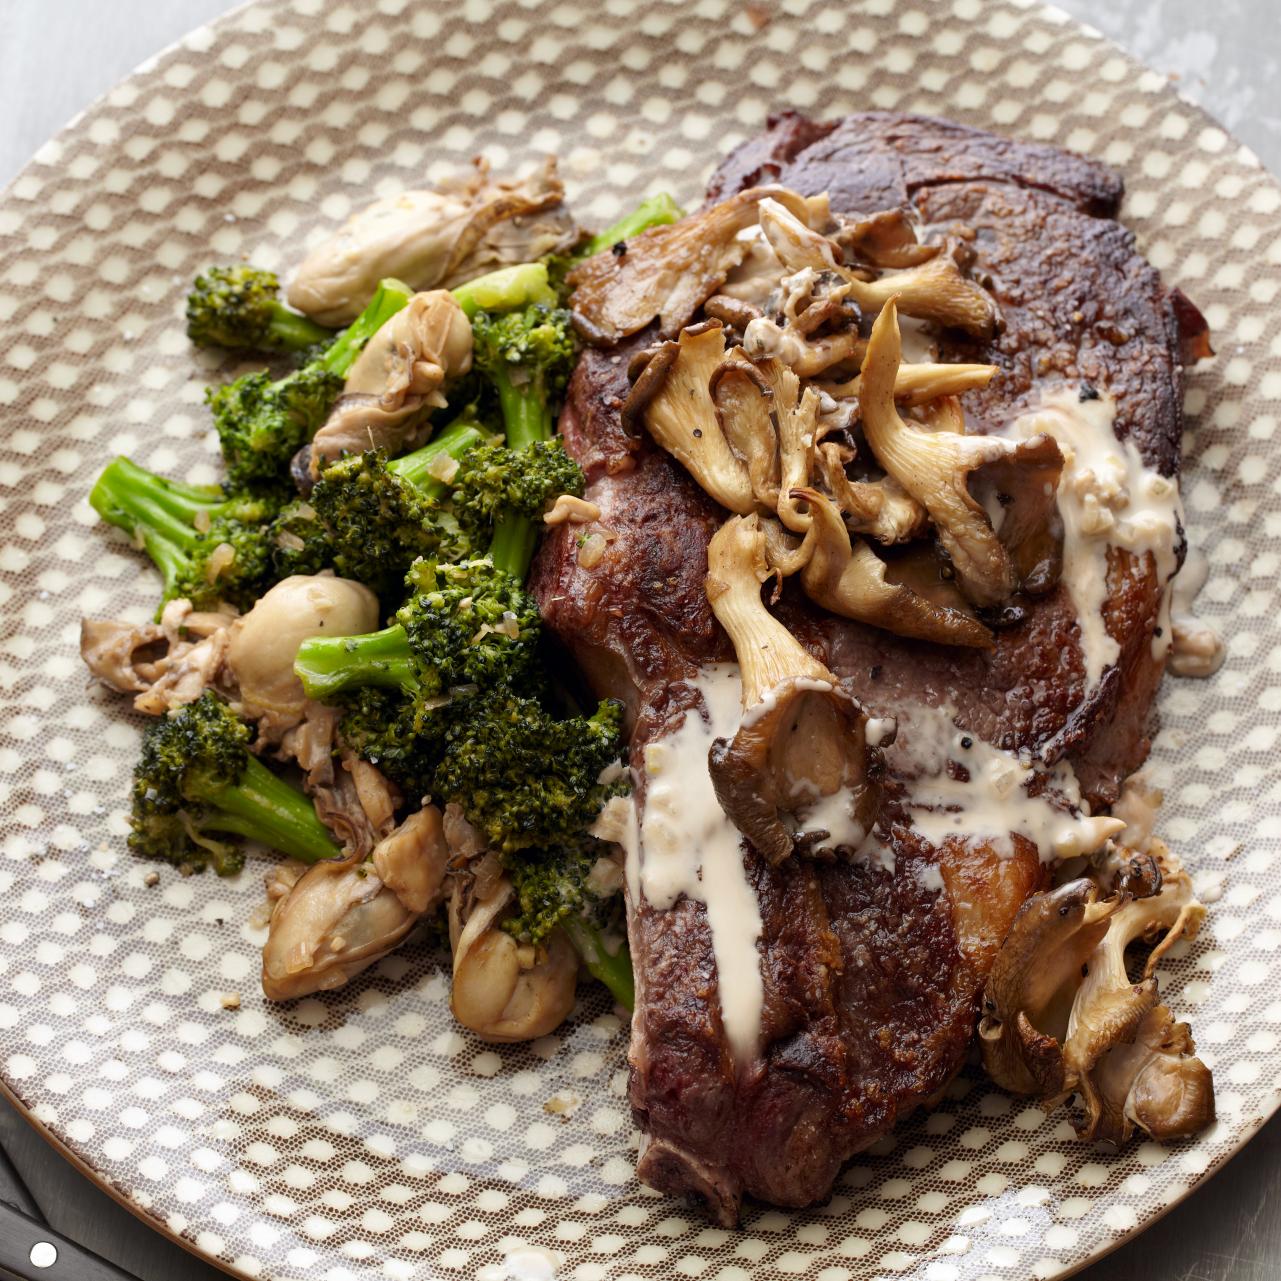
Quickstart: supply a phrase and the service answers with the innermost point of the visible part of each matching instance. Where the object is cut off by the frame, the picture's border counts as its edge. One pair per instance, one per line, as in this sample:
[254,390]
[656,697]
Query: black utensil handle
[19,1235]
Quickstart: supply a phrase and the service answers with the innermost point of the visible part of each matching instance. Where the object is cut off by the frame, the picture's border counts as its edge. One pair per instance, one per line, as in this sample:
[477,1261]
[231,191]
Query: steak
[871,975]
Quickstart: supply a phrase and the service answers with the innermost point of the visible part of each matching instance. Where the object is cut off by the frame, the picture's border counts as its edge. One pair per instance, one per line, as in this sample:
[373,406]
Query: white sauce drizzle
[1196,647]
[1106,498]
[687,846]
[994,802]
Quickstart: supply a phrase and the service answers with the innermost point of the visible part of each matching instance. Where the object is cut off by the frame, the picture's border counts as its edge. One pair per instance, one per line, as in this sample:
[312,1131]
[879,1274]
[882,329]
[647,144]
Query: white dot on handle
[44,1254]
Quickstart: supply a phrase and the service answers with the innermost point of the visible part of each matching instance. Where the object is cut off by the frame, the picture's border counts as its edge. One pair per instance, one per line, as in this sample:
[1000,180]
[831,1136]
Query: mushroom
[799,772]
[1108,1009]
[1061,1015]
[342,915]
[933,290]
[880,509]
[264,643]
[433,239]
[810,301]
[503,990]
[673,395]
[916,384]
[396,379]
[741,398]
[1028,998]
[670,271]
[850,580]
[935,468]
[885,239]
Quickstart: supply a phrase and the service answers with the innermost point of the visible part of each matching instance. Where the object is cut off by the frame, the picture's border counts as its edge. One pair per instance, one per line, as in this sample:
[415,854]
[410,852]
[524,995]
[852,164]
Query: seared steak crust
[871,977]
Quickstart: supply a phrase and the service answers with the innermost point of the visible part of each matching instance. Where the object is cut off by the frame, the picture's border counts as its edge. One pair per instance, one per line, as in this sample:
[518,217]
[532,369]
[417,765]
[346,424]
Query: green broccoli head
[525,777]
[299,541]
[400,732]
[233,559]
[493,480]
[469,624]
[239,307]
[197,783]
[261,424]
[379,524]
[550,886]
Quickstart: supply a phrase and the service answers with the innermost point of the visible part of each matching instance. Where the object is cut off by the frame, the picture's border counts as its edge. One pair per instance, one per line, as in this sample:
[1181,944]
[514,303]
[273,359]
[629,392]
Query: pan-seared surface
[871,977]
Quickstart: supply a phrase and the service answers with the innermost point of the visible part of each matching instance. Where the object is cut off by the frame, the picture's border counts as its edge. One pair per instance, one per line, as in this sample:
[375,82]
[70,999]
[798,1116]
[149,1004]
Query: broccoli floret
[197,780]
[262,423]
[465,626]
[300,543]
[381,516]
[493,479]
[528,355]
[240,307]
[187,529]
[525,777]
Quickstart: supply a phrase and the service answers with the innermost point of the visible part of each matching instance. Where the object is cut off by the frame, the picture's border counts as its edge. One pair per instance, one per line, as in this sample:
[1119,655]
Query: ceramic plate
[362,1135]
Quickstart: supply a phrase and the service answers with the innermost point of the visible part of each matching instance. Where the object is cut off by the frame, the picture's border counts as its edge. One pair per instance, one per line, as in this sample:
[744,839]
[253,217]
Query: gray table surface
[58,55]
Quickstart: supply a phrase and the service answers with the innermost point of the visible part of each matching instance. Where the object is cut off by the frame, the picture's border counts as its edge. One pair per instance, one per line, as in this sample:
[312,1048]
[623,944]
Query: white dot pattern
[362,1135]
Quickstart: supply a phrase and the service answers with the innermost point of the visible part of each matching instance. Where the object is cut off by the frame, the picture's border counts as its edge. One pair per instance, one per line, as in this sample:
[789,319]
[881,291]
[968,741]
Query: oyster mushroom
[505,991]
[670,271]
[741,398]
[1061,1015]
[343,915]
[673,396]
[916,384]
[935,468]
[799,772]
[397,379]
[1028,998]
[932,290]
[880,509]
[851,581]
[433,238]
[885,239]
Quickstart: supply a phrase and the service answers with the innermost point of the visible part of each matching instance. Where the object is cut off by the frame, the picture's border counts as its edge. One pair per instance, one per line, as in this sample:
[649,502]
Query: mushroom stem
[850,581]
[916,384]
[801,748]
[935,466]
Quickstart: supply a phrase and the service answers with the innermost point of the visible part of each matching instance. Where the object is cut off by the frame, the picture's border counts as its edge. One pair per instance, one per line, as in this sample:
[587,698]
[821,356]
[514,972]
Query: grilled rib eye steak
[871,976]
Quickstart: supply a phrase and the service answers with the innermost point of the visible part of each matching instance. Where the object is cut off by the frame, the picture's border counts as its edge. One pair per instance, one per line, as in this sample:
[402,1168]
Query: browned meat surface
[871,977]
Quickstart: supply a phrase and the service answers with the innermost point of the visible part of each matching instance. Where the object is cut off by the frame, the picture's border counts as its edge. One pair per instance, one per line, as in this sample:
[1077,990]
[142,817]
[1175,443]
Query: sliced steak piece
[871,977]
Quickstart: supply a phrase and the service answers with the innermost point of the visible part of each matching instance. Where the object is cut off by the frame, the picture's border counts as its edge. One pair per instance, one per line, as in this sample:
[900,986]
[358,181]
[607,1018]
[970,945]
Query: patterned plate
[362,1135]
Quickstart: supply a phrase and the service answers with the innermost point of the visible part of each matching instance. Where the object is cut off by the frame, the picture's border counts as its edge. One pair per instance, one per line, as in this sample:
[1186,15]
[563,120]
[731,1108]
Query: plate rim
[1054,13]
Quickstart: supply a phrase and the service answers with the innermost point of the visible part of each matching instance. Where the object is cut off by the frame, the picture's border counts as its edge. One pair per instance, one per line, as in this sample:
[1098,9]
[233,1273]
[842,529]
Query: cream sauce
[1196,648]
[687,846]
[994,801]
[1106,498]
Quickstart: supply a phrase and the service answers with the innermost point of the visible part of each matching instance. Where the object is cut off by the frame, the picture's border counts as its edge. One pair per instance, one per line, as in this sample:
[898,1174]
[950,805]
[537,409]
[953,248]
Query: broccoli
[506,289]
[197,778]
[653,211]
[186,529]
[300,544]
[464,625]
[379,517]
[523,776]
[262,423]
[239,307]
[528,355]
[494,479]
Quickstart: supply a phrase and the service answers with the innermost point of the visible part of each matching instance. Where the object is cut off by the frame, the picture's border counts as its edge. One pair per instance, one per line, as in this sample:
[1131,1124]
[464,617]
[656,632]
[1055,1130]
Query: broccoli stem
[614,970]
[506,289]
[527,419]
[653,211]
[327,665]
[161,514]
[262,807]
[389,298]
[290,331]
[454,441]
